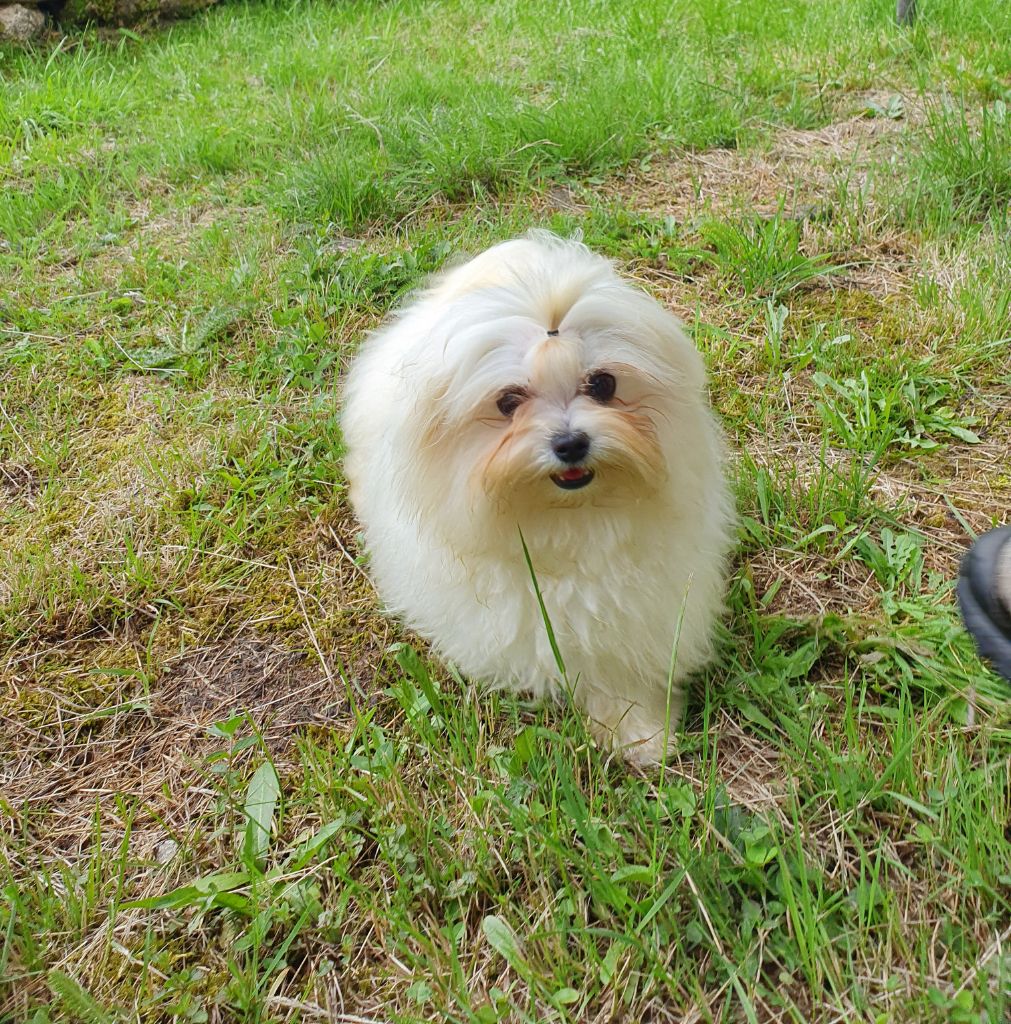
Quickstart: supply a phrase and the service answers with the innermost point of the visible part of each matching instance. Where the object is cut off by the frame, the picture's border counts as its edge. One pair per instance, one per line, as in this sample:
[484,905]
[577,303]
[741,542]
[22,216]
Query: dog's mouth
[572,479]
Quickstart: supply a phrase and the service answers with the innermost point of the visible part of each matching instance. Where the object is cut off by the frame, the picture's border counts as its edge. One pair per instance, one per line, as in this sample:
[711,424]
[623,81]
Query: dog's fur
[631,565]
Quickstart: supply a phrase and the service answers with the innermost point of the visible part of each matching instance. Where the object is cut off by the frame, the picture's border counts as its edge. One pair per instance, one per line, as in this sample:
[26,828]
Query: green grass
[764,256]
[230,789]
[963,167]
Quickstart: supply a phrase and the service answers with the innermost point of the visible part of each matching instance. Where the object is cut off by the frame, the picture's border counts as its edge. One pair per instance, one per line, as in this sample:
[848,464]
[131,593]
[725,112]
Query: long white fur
[628,565]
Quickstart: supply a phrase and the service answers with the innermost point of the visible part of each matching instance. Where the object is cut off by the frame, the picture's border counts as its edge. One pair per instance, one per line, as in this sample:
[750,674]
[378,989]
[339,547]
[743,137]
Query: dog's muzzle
[571,447]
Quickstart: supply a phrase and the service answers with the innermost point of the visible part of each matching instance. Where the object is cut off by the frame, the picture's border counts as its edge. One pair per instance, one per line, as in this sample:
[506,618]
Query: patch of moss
[127,12]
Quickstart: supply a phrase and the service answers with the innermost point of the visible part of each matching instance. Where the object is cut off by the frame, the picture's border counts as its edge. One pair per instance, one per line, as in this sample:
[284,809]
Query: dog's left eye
[600,387]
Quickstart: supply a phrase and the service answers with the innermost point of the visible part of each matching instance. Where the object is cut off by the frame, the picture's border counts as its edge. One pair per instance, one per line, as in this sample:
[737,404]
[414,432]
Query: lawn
[231,790]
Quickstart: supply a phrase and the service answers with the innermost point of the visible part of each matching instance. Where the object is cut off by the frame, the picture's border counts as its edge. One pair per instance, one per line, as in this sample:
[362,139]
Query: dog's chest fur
[614,597]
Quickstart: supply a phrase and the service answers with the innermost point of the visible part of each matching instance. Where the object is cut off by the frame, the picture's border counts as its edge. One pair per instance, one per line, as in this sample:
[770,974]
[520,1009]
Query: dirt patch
[804,585]
[154,749]
[147,768]
[750,770]
[18,482]
[278,688]
[799,170]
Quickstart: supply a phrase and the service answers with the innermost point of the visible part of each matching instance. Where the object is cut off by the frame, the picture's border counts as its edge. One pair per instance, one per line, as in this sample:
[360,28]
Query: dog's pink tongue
[572,474]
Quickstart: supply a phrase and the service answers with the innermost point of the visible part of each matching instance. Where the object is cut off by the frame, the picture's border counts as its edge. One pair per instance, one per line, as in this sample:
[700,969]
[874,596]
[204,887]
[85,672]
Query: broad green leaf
[523,749]
[641,873]
[305,853]
[193,892]
[261,799]
[610,962]
[420,992]
[501,938]
[963,434]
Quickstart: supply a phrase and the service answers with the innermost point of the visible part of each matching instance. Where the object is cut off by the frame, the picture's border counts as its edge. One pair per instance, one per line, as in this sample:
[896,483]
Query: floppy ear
[670,345]
[432,416]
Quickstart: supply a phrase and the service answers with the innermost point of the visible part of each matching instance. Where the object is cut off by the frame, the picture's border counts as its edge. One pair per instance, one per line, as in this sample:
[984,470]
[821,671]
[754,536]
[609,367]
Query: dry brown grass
[797,170]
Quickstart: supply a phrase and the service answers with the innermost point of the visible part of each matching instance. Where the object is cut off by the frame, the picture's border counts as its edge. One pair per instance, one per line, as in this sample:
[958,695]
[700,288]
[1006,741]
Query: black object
[984,611]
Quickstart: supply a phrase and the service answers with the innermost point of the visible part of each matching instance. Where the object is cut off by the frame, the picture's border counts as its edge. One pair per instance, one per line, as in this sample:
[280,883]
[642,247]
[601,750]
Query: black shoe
[986,610]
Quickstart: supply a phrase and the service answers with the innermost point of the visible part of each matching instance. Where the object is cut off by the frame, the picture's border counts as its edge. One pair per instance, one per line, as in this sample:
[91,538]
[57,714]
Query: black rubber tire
[985,615]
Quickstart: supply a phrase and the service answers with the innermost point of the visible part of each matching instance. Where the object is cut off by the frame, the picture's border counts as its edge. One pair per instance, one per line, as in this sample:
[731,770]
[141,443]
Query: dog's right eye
[509,401]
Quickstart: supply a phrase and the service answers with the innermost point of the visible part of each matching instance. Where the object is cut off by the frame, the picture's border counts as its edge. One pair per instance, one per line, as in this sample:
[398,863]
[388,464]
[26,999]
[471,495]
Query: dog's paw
[642,736]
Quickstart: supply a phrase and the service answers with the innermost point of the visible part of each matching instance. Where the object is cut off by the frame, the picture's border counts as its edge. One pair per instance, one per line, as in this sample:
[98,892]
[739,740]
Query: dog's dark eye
[509,401]
[600,387]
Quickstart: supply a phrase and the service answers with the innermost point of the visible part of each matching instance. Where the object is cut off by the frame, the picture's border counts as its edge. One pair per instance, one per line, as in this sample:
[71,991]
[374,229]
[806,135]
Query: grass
[964,169]
[230,788]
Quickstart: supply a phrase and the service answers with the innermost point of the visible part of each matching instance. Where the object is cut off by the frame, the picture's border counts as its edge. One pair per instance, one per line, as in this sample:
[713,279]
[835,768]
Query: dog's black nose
[571,446]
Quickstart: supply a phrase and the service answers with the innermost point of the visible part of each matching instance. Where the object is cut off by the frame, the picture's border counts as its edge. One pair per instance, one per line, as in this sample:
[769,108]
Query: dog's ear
[664,339]
[432,416]
[683,357]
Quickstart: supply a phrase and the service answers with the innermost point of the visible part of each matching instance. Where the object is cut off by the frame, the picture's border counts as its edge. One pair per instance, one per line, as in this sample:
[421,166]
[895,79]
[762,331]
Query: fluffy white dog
[532,391]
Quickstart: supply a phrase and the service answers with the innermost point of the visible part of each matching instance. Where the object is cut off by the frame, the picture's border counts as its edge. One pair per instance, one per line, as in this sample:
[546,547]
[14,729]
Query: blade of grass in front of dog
[544,614]
[673,669]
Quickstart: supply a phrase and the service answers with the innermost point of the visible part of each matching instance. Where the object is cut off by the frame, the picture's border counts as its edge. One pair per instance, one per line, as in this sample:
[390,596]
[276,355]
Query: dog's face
[572,426]
[530,417]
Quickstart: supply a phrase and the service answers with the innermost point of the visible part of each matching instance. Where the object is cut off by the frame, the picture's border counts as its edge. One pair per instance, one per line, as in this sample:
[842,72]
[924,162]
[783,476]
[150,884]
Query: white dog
[532,392]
